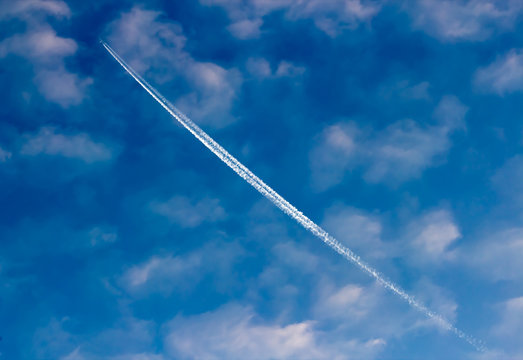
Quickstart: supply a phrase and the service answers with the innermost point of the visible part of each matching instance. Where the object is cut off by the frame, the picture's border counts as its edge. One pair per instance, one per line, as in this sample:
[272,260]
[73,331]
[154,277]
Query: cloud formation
[469,20]
[186,213]
[78,146]
[330,16]
[503,76]
[398,153]
[46,50]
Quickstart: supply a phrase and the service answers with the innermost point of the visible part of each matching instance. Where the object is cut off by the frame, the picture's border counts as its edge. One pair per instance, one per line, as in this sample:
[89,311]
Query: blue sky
[396,125]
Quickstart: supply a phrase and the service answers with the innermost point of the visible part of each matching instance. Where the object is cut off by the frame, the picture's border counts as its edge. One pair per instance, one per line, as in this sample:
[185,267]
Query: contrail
[286,207]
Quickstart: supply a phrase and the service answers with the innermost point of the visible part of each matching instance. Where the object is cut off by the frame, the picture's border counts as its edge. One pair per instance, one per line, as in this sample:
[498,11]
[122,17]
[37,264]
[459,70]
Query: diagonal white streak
[285,206]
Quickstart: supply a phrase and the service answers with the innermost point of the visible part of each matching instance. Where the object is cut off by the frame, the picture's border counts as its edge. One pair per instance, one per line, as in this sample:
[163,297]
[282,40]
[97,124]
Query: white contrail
[285,206]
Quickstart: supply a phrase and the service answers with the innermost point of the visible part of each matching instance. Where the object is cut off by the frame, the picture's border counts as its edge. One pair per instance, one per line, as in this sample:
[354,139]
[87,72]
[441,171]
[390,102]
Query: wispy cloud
[432,235]
[503,76]
[46,50]
[166,273]
[77,146]
[463,20]
[4,155]
[330,16]
[237,332]
[186,213]
[400,152]
[261,68]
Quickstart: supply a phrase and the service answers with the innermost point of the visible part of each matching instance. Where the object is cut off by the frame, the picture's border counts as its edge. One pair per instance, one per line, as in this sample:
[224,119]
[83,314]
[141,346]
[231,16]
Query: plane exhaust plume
[286,207]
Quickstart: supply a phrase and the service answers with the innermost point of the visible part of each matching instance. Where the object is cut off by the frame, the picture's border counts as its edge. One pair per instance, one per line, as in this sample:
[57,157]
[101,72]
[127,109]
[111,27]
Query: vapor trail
[285,206]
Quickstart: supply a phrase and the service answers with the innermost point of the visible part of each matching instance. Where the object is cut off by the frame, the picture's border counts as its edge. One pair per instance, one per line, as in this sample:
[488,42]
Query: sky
[395,125]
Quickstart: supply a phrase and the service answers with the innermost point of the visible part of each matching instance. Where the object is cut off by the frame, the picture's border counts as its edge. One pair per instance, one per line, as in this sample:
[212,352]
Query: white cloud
[286,68]
[246,29]
[233,332]
[508,328]
[350,301]
[330,16]
[164,272]
[503,76]
[333,155]
[437,299]
[47,51]
[61,86]
[511,318]
[27,8]
[261,68]
[463,20]
[432,235]
[186,213]
[498,256]
[4,155]
[334,16]
[400,152]
[42,46]
[237,332]
[155,48]
[53,340]
[358,231]
[78,146]
[167,273]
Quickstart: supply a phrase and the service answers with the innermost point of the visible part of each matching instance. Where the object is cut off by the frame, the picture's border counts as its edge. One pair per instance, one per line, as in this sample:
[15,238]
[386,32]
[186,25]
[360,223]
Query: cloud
[503,76]
[288,69]
[61,86]
[237,332]
[4,155]
[53,340]
[78,146]
[43,46]
[47,51]
[400,152]
[511,317]
[510,323]
[432,235]
[261,68]
[233,332]
[334,16]
[439,300]
[330,16]
[160,274]
[167,273]
[127,338]
[246,29]
[333,155]
[154,46]
[469,20]
[185,213]
[497,256]
[27,8]
[356,230]
[348,301]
